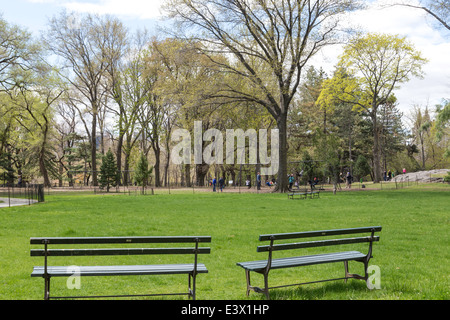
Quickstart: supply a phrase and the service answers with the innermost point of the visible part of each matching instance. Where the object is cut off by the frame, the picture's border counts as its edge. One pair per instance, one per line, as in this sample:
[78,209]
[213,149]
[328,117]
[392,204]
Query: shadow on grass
[321,291]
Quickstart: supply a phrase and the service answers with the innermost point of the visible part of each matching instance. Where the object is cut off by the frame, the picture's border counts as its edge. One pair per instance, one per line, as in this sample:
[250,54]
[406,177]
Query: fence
[28,194]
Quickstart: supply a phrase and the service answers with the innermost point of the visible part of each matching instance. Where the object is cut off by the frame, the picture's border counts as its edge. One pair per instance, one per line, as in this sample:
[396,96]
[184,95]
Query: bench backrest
[118,251]
[321,243]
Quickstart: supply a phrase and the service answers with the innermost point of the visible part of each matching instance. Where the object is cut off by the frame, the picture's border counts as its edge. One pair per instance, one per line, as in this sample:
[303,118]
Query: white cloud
[415,24]
[140,9]
[416,27]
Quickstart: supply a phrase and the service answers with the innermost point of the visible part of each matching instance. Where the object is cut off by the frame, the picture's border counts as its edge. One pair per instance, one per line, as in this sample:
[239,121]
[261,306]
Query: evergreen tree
[361,167]
[142,171]
[108,171]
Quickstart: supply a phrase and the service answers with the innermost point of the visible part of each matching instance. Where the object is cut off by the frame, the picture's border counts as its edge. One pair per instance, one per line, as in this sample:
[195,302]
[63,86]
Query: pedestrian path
[5,202]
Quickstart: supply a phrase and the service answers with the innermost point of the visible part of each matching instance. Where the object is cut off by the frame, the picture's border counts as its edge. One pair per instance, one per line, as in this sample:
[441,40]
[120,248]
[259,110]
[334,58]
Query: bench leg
[257,289]
[247,278]
[192,291]
[47,288]
[346,271]
[354,275]
[266,285]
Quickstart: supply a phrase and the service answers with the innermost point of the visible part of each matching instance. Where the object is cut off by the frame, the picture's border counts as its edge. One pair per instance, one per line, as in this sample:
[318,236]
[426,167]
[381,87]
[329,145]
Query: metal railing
[28,194]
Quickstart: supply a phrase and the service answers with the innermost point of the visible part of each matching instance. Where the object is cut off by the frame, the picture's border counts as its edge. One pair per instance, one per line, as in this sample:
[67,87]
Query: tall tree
[271,40]
[443,123]
[378,64]
[82,49]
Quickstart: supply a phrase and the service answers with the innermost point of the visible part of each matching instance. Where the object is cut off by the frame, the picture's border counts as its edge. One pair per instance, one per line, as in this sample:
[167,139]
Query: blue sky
[418,27]
[34,14]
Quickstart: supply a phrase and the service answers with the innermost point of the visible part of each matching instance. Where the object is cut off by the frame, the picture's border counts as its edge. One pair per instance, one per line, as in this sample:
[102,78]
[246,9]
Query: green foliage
[108,171]
[329,150]
[142,172]
[308,166]
[447,178]
[361,167]
[443,123]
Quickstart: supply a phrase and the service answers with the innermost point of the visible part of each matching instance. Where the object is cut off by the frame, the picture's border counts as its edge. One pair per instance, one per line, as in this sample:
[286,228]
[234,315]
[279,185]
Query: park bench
[303,195]
[265,266]
[191,269]
[315,194]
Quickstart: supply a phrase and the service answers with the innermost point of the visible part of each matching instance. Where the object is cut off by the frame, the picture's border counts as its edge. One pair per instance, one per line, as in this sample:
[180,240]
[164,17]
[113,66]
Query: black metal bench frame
[192,269]
[265,266]
[301,195]
[304,195]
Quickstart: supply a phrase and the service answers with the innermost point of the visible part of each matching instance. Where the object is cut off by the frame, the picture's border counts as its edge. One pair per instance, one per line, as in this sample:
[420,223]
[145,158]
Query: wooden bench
[315,194]
[303,195]
[265,266]
[191,269]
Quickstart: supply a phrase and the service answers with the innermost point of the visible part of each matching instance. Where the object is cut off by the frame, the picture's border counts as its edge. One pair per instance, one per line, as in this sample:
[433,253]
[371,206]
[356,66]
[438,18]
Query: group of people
[291,179]
[387,176]
[221,184]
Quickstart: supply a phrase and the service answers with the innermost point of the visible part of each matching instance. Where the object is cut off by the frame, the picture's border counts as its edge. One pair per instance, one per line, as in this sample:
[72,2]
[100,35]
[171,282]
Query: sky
[419,28]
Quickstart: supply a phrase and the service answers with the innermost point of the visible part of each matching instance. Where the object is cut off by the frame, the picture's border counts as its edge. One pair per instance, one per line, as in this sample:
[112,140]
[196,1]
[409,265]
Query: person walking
[221,184]
[349,180]
[214,182]
[258,181]
[291,181]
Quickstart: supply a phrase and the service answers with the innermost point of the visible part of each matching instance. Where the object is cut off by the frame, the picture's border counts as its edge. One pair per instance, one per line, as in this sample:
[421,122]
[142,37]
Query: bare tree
[81,47]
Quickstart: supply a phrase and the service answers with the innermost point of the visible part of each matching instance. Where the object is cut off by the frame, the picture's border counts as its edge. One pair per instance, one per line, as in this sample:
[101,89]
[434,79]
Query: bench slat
[296,235]
[313,244]
[121,251]
[303,260]
[64,271]
[112,240]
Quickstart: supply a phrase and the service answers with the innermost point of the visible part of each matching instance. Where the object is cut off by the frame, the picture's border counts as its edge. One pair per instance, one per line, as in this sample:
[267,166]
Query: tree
[108,171]
[84,52]
[142,172]
[377,65]
[18,52]
[361,167]
[305,116]
[443,123]
[329,149]
[270,42]
[421,130]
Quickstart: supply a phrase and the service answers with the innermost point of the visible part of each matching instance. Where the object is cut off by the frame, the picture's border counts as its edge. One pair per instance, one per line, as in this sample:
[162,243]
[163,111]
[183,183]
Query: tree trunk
[282,183]
[94,148]
[376,148]
[119,153]
[157,151]
[187,175]
[201,171]
[42,167]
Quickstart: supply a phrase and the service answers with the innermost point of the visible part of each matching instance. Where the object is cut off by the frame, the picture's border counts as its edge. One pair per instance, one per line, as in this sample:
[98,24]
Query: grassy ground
[413,253]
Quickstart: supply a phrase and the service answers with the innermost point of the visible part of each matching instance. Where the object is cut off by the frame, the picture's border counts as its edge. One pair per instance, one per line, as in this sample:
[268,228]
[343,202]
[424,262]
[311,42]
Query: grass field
[413,253]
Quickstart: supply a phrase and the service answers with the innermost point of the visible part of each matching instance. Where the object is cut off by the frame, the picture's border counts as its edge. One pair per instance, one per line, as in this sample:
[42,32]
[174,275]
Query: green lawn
[413,253]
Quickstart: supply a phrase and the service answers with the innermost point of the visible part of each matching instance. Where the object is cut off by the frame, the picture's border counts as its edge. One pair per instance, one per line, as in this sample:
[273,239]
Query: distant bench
[265,266]
[303,195]
[191,269]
